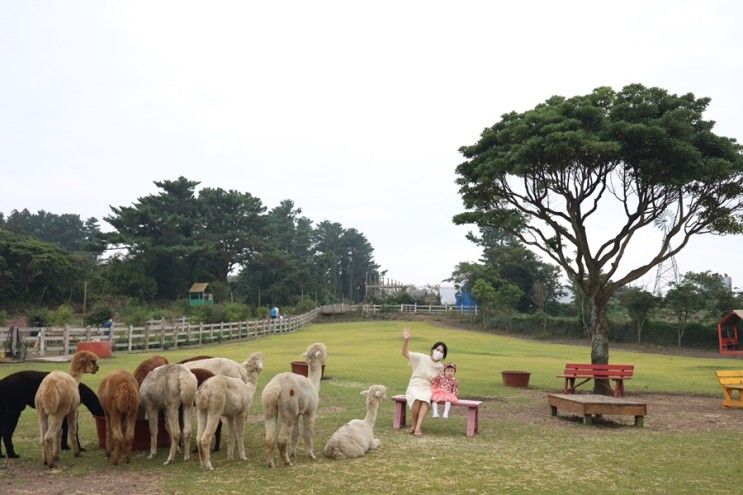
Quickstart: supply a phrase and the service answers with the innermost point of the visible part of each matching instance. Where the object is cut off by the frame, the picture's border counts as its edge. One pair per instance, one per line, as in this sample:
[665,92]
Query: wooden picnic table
[590,405]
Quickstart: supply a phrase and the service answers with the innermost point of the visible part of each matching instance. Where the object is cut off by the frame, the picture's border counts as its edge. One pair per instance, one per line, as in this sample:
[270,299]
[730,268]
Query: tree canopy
[546,174]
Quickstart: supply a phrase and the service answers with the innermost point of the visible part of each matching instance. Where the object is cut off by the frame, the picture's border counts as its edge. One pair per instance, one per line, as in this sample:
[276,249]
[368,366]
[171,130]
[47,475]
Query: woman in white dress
[425,368]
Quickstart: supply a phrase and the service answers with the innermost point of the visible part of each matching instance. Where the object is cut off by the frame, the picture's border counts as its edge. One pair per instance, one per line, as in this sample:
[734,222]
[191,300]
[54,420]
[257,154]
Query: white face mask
[437,355]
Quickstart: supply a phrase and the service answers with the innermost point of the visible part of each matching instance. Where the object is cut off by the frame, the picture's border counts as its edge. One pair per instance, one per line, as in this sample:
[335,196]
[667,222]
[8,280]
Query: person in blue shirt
[274,313]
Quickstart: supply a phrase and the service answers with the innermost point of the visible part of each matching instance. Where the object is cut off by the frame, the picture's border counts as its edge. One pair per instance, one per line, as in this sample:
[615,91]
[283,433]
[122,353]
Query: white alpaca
[288,396]
[228,397]
[167,388]
[225,367]
[356,438]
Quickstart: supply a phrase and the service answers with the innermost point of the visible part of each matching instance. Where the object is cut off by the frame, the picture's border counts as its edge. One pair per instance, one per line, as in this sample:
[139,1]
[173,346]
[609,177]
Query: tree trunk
[600,341]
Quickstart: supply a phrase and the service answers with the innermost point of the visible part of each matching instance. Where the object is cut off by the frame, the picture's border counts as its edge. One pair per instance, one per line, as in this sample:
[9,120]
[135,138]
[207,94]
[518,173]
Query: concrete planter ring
[516,378]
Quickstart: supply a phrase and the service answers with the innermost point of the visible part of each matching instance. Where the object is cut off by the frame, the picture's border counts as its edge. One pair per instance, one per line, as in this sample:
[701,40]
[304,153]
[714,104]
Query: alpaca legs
[131,420]
[308,427]
[43,427]
[109,434]
[269,422]
[152,420]
[9,421]
[240,435]
[50,439]
[72,432]
[171,420]
[288,421]
[207,425]
[187,426]
[117,435]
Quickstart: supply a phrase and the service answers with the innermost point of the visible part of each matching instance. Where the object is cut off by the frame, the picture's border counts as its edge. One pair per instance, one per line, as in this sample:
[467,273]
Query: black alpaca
[18,391]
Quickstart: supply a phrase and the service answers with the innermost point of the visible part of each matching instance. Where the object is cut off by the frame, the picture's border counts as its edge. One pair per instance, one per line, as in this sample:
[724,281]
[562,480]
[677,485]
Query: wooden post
[162,337]
[66,340]
[147,337]
[211,333]
[188,333]
[130,337]
[175,337]
[42,341]
[201,331]
[221,331]
[87,332]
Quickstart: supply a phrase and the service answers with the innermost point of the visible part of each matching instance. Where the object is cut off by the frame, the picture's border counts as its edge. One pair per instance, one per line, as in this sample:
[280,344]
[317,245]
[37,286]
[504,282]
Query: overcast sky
[353,110]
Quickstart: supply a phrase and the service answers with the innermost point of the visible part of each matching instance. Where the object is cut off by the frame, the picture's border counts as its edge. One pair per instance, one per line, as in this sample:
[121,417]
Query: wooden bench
[591,405]
[731,380]
[473,413]
[616,372]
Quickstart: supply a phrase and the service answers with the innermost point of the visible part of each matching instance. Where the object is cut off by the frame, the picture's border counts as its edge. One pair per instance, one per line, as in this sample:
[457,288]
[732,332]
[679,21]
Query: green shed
[199,294]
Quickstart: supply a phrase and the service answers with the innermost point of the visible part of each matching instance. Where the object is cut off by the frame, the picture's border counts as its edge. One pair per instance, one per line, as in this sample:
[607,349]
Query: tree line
[164,242]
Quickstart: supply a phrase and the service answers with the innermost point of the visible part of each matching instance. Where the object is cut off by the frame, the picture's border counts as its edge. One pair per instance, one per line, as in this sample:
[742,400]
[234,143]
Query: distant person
[274,313]
[107,325]
[425,368]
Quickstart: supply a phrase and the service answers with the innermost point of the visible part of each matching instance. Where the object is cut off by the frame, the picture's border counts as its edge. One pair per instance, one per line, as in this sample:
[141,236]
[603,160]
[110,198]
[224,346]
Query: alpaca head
[316,354]
[254,363]
[375,393]
[84,362]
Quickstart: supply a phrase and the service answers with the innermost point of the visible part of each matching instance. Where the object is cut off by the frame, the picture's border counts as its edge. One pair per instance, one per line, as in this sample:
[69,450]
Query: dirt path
[24,477]
[666,412]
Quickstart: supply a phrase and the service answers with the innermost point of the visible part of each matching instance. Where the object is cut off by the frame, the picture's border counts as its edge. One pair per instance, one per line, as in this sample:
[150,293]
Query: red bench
[616,372]
[473,413]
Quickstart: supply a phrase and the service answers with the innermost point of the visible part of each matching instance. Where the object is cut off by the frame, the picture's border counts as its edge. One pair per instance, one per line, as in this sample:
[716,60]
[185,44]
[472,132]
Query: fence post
[211,332]
[162,337]
[66,340]
[175,337]
[201,331]
[129,336]
[188,333]
[87,332]
[221,331]
[42,341]
[147,336]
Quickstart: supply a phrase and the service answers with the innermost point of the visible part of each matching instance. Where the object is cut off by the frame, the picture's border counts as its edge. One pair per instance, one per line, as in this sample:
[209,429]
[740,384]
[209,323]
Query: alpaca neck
[77,375]
[253,377]
[314,374]
[371,413]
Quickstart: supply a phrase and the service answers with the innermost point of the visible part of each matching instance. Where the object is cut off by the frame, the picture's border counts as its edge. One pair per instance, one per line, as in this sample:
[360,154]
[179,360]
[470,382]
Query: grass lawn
[689,448]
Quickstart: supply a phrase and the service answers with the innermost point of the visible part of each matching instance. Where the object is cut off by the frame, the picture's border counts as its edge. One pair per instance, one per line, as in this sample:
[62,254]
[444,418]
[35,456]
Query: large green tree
[546,174]
[67,230]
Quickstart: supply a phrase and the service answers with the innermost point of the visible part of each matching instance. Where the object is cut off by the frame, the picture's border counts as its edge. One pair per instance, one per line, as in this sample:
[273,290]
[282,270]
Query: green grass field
[520,448]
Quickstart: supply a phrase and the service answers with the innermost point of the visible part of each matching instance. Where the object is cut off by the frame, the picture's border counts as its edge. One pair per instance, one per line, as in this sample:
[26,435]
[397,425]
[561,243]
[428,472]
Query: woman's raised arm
[405,339]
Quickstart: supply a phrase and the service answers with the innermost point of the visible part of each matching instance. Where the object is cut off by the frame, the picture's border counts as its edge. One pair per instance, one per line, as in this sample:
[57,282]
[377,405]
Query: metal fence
[157,334]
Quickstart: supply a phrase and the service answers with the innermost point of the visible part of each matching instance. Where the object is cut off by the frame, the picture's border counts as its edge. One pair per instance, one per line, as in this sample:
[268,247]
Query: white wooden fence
[157,334]
[430,309]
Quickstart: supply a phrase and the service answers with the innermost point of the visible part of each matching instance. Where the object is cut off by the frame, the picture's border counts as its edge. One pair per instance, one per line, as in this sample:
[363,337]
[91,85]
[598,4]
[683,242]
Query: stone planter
[101,348]
[141,433]
[516,378]
[301,368]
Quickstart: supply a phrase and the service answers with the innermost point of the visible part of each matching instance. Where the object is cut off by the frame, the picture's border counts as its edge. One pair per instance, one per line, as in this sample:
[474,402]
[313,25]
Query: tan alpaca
[119,396]
[166,388]
[228,397]
[356,438]
[224,366]
[288,396]
[58,398]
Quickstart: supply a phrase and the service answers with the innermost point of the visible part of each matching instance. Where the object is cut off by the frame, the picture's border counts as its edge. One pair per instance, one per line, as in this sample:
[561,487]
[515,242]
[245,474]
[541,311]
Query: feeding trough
[301,368]
[101,348]
[141,433]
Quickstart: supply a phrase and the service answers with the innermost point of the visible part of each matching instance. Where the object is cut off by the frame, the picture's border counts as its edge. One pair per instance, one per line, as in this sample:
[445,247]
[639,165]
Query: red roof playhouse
[729,330]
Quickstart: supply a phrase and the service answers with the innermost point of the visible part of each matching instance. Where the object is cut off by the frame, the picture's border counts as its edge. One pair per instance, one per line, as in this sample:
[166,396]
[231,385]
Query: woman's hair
[446,350]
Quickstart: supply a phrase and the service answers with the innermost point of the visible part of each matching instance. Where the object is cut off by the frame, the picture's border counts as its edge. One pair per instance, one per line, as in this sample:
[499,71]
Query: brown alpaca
[58,398]
[146,366]
[119,395]
[195,358]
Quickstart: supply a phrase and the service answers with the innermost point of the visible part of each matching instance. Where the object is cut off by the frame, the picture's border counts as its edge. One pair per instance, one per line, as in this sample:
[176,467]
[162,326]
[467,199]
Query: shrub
[99,314]
[62,316]
[3,317]
[135,315]
[38,317]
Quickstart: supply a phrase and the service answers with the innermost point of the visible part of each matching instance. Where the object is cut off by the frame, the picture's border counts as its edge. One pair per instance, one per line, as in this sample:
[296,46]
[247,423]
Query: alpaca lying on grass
[166,388]
[148,365]
[225,366]
[288,396]
[228,397]
[18,390]
[194,358]
[356,438]
[58,398]
[119,393]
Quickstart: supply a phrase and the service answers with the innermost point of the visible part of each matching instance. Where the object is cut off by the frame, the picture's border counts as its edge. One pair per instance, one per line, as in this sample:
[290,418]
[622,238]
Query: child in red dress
[445,388]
